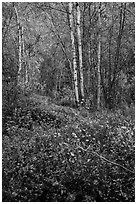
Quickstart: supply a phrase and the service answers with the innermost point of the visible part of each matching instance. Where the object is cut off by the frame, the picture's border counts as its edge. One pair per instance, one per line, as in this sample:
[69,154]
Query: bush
[65,97]
[33,87]
[9,95]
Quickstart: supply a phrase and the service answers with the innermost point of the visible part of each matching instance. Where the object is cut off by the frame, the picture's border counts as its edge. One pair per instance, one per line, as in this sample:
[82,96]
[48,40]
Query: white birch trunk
[98,66]
[20,43]
[89,58]
[20,55]
[27,68]
[80,51]
[73,52]
[24,56]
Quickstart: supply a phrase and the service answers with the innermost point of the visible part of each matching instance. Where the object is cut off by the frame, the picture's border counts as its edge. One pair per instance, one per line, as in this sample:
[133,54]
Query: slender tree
[73,53]
[80,51]
[24,57]
[27,67]
[108,96]
[117,53]
[20,42]
[99,56]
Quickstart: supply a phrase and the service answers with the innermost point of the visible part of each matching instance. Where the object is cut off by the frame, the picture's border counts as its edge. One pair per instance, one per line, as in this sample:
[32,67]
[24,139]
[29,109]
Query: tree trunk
[27,67]
[20,43]
[80,51]
[24,58]
[98,66]
[109,98]
[89,67]
[117,55]
[20,55]
[74,53]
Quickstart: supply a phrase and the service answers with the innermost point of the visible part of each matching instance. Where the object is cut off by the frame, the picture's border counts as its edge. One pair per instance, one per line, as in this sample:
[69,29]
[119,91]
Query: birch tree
[80,51]
[24,57]
[98,65]
[27,67]
[73,52]
[20,42]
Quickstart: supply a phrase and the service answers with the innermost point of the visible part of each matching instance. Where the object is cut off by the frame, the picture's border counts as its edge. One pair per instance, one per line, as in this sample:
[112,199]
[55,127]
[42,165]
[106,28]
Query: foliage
[66,97]
[55,154]
[51,151]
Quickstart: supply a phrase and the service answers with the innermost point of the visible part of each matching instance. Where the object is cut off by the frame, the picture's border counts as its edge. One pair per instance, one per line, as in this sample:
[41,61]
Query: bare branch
[102,157]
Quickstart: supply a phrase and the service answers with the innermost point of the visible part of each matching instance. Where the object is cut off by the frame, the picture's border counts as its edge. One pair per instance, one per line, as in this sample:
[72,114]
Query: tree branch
[102,157]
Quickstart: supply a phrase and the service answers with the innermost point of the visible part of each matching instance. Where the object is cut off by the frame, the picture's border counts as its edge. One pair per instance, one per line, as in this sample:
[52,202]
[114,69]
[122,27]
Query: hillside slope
[57,153]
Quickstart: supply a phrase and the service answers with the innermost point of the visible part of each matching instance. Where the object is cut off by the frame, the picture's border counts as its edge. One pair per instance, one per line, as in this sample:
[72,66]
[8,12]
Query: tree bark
[98,65]
[24,58]
[20,43]
[27,67]
[117,55]
[73,53]
[109,98]
[80,51]
[89,67]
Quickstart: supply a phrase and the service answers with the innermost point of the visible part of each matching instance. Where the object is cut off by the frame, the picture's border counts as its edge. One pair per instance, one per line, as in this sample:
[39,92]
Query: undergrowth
[53,153]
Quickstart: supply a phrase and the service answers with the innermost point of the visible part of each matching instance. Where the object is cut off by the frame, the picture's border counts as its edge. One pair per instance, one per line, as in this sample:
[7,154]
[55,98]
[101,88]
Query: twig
[131,171]
[130,12]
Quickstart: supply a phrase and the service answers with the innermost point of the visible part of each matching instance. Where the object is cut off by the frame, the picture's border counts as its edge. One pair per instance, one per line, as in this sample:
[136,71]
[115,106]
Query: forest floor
[57,153]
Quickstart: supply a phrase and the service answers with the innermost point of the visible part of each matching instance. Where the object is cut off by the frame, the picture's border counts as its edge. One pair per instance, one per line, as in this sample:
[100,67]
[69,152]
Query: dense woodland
[68,101]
